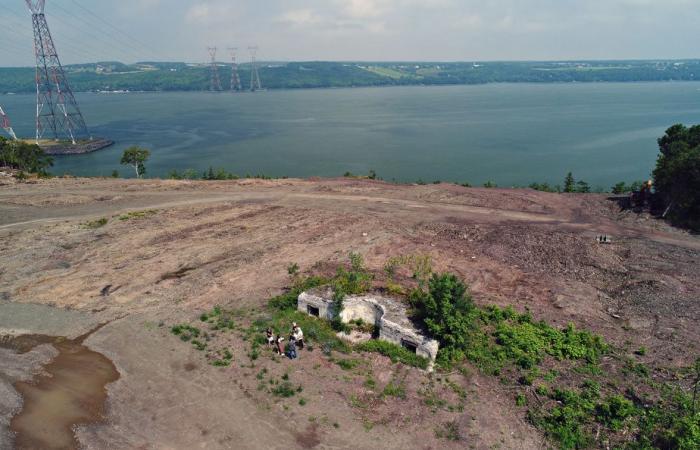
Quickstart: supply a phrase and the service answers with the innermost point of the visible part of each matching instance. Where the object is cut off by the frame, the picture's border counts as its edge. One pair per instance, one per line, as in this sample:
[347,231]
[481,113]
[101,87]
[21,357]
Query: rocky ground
[170,250]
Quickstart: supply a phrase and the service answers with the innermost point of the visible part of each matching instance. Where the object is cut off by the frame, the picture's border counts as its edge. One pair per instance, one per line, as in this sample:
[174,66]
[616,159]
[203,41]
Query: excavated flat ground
[194,245]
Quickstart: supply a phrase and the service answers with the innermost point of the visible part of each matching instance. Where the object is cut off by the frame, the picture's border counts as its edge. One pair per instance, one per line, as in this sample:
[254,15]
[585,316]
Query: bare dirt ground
[172,249]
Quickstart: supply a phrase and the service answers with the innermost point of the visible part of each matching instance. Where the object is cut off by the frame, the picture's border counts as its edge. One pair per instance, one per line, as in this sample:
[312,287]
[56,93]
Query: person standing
[270,337]
[298,335]
[292,348]
[280,349]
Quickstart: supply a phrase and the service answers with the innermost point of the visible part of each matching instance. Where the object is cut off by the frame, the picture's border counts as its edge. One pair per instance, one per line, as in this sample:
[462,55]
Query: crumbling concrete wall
[363,308]
[387,314]
[316,305]
[405,337]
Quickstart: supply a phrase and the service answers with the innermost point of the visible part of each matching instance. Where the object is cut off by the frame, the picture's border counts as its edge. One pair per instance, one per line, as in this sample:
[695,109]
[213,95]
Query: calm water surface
[509,133]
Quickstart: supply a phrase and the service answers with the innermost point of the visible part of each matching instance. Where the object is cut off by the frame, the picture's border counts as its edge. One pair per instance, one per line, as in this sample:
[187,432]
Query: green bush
[355,281]
[24,157]
[614,411]
[284,390]
[288,300]
[446,310]
[528,343]
[185,332]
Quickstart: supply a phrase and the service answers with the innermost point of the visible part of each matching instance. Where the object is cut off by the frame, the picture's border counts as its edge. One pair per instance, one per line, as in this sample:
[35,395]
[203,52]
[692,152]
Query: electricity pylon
[235,78]
[255,84]
[215,84]
[5,121]
[57,112]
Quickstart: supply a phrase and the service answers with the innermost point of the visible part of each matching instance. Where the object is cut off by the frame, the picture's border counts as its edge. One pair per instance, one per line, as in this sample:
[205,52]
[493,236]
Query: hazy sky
[463,30]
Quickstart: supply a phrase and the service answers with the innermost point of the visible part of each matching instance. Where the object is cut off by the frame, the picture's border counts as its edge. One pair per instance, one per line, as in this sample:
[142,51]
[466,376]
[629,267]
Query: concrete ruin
[387,314]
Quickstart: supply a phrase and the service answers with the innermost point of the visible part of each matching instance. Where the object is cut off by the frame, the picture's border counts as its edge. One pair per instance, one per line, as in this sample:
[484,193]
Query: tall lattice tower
[215,84]
[235,77]
[5,122]
[57,112]
[255,84]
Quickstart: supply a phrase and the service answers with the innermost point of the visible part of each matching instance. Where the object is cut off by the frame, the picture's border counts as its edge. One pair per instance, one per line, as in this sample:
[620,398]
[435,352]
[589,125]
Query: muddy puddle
[71,392]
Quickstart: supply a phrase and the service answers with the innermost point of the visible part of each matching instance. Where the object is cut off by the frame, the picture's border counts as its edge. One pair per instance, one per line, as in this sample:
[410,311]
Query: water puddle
[72,392]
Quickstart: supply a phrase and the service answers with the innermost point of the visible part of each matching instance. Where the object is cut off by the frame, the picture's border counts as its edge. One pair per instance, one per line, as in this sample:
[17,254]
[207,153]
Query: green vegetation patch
[388,72]
[185,332]
[393,351]
[137,215]
[24,156]
[94,224]
[218,319]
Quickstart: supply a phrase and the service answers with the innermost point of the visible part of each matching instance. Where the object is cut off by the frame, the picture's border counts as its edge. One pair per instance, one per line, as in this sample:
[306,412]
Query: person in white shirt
[298,335]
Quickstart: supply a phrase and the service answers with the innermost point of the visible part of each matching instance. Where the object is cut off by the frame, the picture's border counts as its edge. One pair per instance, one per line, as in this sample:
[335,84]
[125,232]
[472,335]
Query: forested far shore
[151,76]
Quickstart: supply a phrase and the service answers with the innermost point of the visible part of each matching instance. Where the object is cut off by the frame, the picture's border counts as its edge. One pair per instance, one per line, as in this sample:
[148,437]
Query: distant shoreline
[387,86]
[183,77]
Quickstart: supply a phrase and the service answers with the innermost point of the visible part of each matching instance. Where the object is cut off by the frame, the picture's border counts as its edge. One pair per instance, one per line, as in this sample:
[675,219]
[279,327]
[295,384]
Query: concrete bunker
[387,314]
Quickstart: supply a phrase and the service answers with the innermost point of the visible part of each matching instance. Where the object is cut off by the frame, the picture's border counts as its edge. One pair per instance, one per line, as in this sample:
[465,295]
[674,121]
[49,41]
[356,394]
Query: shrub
[288,300]
[614,411]
[446,311]
[94,224]
[199,345]
[284,390]
[185,332]
[24,157]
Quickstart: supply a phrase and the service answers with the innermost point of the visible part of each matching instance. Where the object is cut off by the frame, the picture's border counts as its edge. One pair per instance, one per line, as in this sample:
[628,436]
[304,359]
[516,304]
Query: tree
[445,310]
[23,156]
[677,175]
[136,157]
[582,187]
[620,188]
[569,183]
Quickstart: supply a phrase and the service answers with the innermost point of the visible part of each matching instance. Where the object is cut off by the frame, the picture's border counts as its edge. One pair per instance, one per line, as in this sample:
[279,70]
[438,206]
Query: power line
[92,31]
[22,21]
[138,42]
[91,26]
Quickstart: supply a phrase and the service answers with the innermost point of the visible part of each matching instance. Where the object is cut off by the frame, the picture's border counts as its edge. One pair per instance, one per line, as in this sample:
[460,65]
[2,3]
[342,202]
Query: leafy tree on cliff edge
[136,157]
[23,156]
[569,183]
[677,175]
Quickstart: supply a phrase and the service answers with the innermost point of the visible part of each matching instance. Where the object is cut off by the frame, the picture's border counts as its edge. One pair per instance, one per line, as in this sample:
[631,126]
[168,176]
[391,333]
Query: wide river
[512,134]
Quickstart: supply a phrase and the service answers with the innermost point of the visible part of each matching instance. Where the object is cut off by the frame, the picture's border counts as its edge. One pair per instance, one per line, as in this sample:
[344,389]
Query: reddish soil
[206,243]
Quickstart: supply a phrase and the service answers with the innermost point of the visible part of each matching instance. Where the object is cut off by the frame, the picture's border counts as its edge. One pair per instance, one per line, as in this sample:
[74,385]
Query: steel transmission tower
[215,80]
[5,121]
[235,78]
[255,84]
[57,112]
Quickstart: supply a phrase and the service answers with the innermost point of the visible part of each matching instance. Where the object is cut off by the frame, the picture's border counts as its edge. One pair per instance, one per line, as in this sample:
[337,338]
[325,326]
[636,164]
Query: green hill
[151,76]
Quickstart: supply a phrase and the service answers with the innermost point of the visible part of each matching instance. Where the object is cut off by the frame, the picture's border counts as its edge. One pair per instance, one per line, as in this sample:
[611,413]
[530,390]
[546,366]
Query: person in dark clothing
[292,348]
